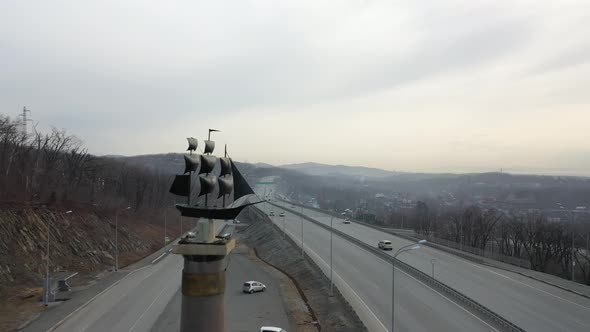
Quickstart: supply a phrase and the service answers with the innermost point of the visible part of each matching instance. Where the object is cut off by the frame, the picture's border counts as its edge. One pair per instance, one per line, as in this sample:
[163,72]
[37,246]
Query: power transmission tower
[25,119]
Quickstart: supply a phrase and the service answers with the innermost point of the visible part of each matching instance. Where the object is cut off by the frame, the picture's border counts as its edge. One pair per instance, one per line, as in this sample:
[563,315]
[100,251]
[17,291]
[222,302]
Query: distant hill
[339,170]
[263,165]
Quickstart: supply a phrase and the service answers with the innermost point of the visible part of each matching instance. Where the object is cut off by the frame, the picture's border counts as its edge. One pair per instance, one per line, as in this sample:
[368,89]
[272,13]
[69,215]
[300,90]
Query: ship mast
[224,156]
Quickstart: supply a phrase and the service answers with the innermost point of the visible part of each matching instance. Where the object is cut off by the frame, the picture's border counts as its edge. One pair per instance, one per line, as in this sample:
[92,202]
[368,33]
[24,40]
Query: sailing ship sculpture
[220,192]
[224,182]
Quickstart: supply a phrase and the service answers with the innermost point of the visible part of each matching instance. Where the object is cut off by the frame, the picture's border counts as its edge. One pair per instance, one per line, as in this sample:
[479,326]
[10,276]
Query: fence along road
[532,305]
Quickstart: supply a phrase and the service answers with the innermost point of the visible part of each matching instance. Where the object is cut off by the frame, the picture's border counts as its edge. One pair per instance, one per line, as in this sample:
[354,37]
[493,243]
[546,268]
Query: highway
[244,312]
[134,303]
[417,307]
[532,305]
[148,299]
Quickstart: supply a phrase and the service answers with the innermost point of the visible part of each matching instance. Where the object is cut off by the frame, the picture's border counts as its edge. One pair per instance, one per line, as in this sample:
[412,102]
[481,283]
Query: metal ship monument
[220,192]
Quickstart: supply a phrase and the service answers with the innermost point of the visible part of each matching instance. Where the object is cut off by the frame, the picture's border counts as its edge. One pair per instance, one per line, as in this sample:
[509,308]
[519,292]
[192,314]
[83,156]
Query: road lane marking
[398,269]
[479,267]
[506,277]
[151,304]
[345,283]
[162,255]
[540,290]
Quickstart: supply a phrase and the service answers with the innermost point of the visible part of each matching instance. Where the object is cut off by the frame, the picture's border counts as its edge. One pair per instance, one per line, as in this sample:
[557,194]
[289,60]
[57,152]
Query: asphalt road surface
[243,312]
[417,306]
[133,304]
[148,298]
[532,305]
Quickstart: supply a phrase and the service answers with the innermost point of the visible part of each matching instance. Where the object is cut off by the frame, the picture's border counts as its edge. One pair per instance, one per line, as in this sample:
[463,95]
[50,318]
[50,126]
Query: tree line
[55,168]
[548,246]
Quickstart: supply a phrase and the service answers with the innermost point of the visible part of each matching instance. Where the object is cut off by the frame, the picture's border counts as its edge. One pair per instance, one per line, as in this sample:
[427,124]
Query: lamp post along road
[47,286]
[331,251]
[573,254]
[432,261]
[284,233]
[117,237]
[165,210]
[412,246]
[301,231]
[46,297]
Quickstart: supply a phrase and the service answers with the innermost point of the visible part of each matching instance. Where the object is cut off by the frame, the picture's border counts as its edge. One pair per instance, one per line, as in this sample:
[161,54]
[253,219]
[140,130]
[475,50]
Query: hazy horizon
[441,170]
[411,86]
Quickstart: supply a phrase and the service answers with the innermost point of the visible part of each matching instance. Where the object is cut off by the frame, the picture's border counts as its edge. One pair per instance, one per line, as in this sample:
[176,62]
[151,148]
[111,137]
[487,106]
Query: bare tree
[537,242]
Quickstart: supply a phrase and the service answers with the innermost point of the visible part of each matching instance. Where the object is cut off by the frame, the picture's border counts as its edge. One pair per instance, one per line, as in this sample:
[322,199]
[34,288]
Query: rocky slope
[82,241]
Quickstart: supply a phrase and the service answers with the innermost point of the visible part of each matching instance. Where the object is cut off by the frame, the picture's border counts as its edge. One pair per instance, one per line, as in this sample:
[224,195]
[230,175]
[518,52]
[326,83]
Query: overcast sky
[400,85]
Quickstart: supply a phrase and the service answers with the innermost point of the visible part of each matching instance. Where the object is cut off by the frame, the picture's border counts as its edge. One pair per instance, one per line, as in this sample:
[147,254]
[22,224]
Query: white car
[253,286]
[385,245]
[271,329]
[272,214]
[282,214]
[346,221]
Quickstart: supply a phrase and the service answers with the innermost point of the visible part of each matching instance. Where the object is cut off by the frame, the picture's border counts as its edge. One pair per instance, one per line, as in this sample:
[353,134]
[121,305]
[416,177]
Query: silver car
[385,245]
[271,329]
[253,286]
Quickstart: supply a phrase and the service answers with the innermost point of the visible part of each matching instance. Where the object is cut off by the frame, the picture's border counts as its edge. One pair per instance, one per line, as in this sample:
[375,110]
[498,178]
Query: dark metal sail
[209,146]
[211,212]
[181,185]
[225,164]
[208,184]
[192,144]
[226,184]
[191,163]
[207,164]
[241,187]
[243,195]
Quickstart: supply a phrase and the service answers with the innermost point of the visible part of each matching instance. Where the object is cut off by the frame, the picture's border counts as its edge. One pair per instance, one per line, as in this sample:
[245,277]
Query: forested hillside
[55,168]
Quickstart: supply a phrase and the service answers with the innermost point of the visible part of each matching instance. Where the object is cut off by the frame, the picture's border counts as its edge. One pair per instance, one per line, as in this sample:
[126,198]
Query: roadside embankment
[327,313]
[82,241]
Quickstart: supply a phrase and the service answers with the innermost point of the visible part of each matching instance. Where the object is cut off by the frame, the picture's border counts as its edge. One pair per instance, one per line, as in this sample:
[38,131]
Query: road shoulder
[82,295]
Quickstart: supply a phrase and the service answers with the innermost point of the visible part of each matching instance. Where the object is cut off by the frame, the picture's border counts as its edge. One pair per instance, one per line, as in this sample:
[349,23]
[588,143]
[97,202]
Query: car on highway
[272,214]
[271,329]
[385,245]
[253,287]
[282,214]
[191,235]
[224,236]
[236,221]
[346,221]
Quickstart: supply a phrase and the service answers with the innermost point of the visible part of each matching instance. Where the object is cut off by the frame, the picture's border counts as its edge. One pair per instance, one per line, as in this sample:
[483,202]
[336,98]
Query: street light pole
[573,259]
[412,246]
[117,238]
[165,215]
[46,297]
[302,231]
[432,261]
[284,225]
[573,253]
[331,251]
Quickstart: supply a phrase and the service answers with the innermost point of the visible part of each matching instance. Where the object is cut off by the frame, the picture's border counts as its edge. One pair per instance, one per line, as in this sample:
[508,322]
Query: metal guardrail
[467,302]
